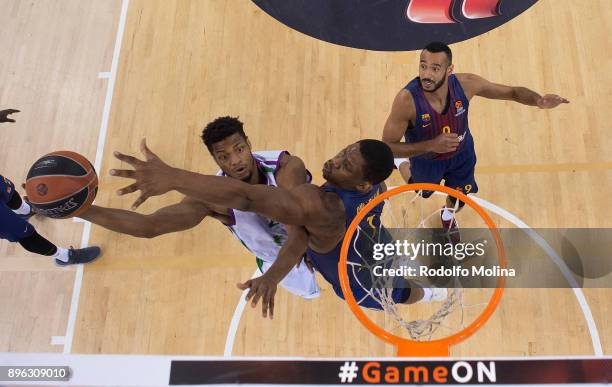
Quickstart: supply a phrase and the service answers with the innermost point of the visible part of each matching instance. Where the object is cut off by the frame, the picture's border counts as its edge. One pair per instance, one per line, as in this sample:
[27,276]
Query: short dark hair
[221,128]
[378,160]
[440,47]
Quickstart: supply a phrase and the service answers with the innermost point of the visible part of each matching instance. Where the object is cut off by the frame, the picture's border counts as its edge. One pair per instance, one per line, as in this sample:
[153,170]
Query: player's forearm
[525,96]
[409,149]
[283,264]
[271,202]
[290,255]
[121,221]
[218,190]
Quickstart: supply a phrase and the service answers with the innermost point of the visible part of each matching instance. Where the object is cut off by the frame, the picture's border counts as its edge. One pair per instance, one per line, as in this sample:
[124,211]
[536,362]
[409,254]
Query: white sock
[24,209]
[447,214]
[61,254]
[427,293]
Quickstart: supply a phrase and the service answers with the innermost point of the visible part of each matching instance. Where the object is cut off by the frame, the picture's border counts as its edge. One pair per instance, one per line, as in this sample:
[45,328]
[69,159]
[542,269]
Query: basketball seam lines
[65,197]
[43,176]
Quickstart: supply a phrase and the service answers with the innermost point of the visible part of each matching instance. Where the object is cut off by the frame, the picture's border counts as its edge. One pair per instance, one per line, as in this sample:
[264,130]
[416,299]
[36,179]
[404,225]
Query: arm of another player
[402,113]
[154,177]
[476,85]
[5,113]
[178,217]
[265,286]
[292,173]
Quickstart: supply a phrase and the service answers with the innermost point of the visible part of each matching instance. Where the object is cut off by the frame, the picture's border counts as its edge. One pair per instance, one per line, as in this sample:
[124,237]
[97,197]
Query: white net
[413,214]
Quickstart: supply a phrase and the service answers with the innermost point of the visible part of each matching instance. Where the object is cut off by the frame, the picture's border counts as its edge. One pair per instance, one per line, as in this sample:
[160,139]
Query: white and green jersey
[265,237]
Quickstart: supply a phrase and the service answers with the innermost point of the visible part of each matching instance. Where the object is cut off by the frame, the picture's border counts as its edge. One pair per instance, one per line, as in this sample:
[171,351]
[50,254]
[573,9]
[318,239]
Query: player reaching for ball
[14,225]
[321,214]
[278,248]
[431,112]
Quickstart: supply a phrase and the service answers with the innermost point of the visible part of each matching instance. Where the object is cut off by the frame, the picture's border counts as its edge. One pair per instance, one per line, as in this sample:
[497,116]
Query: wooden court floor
[182,63]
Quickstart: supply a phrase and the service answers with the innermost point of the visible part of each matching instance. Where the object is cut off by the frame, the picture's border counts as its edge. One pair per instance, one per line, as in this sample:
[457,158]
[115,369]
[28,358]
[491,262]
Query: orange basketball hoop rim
[407,347]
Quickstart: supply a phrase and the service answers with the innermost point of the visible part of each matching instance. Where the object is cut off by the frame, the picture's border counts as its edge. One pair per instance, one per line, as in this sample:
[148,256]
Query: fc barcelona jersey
[429,123]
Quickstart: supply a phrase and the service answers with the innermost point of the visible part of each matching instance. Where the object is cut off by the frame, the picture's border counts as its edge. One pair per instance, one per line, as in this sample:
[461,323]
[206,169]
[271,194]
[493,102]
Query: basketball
[61,184]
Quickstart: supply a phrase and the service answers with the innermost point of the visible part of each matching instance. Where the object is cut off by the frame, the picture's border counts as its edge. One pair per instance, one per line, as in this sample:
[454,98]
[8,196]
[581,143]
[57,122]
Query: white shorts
[399,161]
[299,281]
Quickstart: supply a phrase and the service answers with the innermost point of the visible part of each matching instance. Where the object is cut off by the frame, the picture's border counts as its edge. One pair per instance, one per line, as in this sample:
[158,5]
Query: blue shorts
[457,171]
[12,227]
[360,280]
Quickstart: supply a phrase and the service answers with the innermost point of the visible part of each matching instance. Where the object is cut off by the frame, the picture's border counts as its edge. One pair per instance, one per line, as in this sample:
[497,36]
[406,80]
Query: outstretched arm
[292,173]
[154,177]
[476,85]
[178,217]
[402,114]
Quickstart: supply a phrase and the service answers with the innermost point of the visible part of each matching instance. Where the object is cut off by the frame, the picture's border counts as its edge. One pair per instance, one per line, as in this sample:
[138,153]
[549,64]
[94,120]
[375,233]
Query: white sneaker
[438,294]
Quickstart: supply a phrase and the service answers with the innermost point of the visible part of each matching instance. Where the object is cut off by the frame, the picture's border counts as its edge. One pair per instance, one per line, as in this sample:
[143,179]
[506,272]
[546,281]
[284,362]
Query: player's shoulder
[404,96]
[307,190]
[320,208]
[288,160]
[404,101]
[468,78]
[471,83]
[310,196]
[291,171]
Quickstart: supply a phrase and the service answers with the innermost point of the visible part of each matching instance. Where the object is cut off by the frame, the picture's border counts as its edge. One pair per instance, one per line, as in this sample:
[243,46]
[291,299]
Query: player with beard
[227,142]
[431,113]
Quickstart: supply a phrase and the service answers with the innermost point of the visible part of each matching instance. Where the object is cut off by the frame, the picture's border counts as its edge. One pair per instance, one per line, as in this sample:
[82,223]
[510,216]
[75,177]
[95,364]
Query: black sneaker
[78,256]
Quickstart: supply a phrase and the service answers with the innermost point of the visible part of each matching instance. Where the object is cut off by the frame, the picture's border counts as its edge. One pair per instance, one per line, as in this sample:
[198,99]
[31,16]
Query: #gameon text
[414,250]
[459,372]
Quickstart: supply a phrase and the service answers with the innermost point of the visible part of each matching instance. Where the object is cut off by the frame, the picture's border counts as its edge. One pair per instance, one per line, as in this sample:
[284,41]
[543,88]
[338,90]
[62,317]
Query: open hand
[550,101]
[264,288]
[153,176]
[4,115]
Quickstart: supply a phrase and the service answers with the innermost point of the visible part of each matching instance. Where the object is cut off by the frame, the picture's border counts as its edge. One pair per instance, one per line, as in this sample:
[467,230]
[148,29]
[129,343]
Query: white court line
[111,84]
[78,279]
[584,305]
[104,75]
[233,328]
[58,340]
